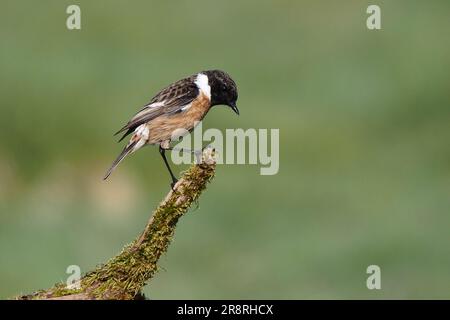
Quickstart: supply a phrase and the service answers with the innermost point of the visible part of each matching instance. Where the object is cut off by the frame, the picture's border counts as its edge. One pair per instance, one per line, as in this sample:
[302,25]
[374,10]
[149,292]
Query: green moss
[59,290]
[123,276]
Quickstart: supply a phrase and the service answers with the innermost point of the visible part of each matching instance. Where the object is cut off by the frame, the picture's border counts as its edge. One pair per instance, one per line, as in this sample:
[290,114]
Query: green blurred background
[364,119]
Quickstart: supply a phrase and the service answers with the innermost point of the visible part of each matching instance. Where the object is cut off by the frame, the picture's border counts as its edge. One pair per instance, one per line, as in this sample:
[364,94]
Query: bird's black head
[223,89]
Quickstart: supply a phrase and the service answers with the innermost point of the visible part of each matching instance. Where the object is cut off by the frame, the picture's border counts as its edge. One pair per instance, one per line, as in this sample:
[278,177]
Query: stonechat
[181,105]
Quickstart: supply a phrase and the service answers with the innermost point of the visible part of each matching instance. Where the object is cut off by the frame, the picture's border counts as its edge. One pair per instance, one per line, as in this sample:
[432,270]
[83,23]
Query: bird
[181,105]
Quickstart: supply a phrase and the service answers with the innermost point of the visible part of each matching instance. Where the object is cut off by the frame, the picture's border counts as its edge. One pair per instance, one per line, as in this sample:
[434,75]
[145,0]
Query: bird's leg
[162,151]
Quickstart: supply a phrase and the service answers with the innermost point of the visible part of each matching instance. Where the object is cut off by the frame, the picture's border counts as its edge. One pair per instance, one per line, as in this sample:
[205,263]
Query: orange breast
[161,128]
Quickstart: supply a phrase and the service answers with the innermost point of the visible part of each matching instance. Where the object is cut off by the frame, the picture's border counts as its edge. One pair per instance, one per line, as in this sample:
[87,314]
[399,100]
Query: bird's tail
[126,151]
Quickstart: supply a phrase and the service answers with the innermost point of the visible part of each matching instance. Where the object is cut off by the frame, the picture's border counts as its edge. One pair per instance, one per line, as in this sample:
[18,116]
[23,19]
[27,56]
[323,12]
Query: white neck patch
[203,84]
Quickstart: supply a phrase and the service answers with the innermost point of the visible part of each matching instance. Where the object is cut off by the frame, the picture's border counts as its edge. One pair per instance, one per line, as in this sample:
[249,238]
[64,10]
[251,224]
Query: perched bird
[181,105]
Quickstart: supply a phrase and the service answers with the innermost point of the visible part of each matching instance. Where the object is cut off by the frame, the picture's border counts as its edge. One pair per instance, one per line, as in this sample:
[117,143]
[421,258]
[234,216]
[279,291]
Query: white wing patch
[156,104]
[203,84]
[145,109]
[186,107]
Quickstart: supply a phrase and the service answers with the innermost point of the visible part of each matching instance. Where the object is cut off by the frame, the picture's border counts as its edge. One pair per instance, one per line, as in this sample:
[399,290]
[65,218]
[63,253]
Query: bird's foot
[201,156]
[198,156]
[174,182]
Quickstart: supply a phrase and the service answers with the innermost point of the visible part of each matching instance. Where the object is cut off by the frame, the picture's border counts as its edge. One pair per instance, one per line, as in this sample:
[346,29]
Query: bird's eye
[224,87]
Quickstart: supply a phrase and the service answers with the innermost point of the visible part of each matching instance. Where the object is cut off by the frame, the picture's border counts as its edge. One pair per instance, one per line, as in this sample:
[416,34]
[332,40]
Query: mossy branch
[123,276]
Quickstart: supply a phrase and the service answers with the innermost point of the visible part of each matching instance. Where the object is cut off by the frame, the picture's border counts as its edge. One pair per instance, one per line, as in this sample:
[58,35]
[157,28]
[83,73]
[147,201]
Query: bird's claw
[172,185]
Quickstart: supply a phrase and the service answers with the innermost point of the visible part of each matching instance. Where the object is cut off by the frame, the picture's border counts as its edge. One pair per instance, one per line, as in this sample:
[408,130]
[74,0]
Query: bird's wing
[168,101]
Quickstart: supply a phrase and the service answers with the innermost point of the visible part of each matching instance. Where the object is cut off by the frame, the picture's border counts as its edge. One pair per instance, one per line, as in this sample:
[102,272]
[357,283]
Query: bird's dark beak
[234,107]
